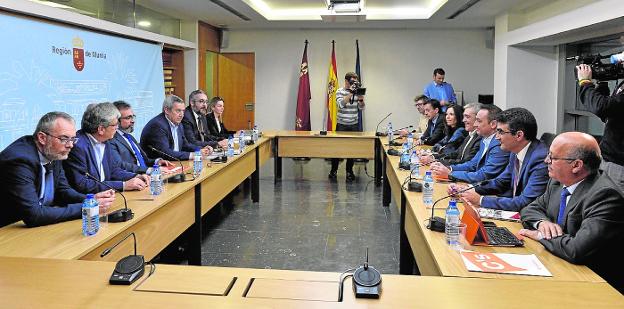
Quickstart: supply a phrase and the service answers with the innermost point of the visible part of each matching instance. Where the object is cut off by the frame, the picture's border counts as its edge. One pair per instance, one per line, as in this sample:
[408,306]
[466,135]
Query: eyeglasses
[129,117]
[200,101]
[64,139]
[502,132]
[550,158]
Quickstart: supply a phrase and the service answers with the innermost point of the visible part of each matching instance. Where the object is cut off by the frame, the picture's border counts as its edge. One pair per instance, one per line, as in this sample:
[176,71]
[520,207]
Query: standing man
[526,174]
[435,124]
[33,184]
[347,118]
[195,124]
[133,158]
[440,90]
[580,217]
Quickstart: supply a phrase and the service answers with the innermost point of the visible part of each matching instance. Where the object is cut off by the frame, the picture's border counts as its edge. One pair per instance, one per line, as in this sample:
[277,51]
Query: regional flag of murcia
[78,53]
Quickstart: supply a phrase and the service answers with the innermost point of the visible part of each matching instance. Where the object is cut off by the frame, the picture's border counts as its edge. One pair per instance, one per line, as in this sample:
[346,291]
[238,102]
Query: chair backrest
[547,138]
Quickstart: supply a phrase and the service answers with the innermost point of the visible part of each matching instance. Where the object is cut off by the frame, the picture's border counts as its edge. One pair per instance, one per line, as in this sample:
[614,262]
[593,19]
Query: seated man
[488,163]
[34,187]
[133,158]
[468,148]
[419,102]
[526,174]
[435,125]
[195,123]
[580,217]
[165,133]
[92,154]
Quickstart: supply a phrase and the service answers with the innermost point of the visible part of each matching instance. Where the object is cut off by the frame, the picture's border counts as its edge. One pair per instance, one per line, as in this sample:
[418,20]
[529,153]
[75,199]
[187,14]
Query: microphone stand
[438,224]
[175,178]
[377,133]
[119,215]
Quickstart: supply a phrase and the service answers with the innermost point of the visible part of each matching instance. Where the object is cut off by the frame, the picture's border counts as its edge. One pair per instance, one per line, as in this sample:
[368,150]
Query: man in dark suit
[435,125]
[33,184]
[195,124]
[580,217]
[489,162]
[214,118]
[526,174]
[92,154]
[133,158]
[165,133]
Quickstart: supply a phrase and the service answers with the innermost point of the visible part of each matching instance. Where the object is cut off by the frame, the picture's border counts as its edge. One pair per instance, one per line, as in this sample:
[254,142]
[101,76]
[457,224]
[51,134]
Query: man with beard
[195,123]
[133,158]
[34,185]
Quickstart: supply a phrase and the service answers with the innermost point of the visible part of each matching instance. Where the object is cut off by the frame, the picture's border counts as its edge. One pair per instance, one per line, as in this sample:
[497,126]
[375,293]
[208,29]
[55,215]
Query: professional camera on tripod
[602,71]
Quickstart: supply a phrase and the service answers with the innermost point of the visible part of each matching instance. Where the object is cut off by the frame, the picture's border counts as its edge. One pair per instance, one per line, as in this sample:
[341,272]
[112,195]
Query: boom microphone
[377,133]
[119,215]
[176,178]
[438,224]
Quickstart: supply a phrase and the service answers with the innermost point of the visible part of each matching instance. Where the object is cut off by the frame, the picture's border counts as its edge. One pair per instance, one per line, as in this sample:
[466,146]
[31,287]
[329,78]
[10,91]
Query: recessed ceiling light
[144,23]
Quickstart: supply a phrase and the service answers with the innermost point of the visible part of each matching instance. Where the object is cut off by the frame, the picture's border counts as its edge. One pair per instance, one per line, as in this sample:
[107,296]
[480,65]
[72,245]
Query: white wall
[396,64]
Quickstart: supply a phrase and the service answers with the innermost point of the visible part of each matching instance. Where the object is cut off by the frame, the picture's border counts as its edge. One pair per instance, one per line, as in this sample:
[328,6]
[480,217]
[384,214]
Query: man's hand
[206,151]
[166,164]
[223,143]
[453,188]
[146,178]
[105,199]
[134,184]
[533,234]
[438,169]
[583,71]
[471,197]
[361,103]
[426,159]
[549,230]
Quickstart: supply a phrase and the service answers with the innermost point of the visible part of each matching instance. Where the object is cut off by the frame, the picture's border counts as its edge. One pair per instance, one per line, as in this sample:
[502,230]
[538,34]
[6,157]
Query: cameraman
[610,110]
[348,104]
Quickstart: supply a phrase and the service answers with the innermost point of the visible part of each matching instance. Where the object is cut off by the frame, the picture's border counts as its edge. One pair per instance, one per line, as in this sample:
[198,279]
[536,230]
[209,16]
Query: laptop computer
[480,235]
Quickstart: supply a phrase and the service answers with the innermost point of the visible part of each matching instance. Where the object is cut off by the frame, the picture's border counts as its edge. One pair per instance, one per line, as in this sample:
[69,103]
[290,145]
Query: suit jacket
[483,167]
[464,153]
[531,184]
[191,131]
[122,148]
[20,186]
[214,131]
[593,227]
[82,158]
[450,142]
[432,136]
[157,134]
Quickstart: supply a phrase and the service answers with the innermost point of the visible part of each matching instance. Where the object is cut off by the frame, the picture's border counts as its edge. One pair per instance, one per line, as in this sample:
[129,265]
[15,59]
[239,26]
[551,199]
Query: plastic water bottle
[254,134]
[390,133]
[405,155]
[241,141]
[197,162]
[90,216]
[410,140]
[452,224]
[617,58]
[230,146]
[428,189]
[156,185]
[415,164]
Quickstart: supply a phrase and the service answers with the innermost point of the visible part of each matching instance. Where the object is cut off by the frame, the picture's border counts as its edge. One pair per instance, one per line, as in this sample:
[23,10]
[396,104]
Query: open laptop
[480,235]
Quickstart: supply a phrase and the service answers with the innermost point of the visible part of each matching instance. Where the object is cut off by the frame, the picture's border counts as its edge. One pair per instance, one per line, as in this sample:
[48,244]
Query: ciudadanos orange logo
[78,52]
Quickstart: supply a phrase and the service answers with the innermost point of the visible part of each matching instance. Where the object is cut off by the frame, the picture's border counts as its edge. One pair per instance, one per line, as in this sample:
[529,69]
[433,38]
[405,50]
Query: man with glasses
[419,102]
[195,123]
[580,217]
[489,162]
[165,133]
[526,174]
[33,184]
[133,157]
[92,154]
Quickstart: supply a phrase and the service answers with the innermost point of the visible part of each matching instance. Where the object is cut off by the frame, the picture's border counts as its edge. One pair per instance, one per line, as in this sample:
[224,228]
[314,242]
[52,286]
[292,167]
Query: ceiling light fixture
[144,23]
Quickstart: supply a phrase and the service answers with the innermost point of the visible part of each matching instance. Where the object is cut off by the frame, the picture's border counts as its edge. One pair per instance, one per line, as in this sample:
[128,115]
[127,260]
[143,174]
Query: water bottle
[90,216]
[451,228]
[254,134]
[617,58]
[390,133]
[230,146]
[410,140]
[415,164]
[197,162]
[241,141]
[156,185]
[405,155]
[428,189]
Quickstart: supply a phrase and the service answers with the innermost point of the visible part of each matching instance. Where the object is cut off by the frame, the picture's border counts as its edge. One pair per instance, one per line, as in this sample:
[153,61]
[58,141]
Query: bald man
[580,217]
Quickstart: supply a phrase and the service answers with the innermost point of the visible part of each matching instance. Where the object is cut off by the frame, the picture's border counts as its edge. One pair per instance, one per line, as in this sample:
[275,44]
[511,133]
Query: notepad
[504,263]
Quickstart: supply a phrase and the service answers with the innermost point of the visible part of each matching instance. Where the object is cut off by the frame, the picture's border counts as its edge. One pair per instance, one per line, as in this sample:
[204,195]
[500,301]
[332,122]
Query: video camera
[601,71]
[356,87]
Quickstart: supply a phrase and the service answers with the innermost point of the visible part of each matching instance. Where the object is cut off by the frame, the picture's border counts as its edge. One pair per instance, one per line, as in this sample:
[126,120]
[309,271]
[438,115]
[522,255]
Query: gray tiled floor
[305,222]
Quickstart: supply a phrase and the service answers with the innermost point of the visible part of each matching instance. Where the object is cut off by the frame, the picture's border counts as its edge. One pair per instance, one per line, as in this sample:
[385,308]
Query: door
[236,85]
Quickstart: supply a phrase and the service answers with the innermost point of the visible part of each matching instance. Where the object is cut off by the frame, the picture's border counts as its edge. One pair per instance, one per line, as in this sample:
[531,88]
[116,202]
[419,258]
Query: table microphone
[176,178]
[394,152]
[438,224]
[377,133]
[128,269]
[119,215]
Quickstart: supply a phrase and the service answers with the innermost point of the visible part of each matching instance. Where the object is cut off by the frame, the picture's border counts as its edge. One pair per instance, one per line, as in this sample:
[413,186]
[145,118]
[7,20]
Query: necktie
[463,153]
[200,128]
[48,191]
[516,178]
[562,206]
[136,150]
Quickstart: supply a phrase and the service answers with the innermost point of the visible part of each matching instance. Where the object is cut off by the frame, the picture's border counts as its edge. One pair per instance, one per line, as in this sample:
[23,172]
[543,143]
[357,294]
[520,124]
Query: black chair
[547,138]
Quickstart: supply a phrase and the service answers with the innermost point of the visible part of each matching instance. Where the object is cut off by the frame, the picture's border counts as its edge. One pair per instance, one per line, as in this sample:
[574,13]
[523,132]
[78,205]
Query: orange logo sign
[489,262]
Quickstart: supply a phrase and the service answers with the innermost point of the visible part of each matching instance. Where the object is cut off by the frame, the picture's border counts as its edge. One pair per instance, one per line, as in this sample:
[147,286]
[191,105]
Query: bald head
[573,156]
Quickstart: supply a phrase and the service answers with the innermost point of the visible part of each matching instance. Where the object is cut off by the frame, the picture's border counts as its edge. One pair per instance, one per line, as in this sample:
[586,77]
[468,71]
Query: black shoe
[332,175]
[350,177]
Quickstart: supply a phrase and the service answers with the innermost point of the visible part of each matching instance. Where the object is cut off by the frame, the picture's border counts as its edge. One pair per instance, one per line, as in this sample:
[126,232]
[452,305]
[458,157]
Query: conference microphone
[377,133]
[128,269]
[119,215]
[178,177]
[438,224]
[394,152]
[392,142]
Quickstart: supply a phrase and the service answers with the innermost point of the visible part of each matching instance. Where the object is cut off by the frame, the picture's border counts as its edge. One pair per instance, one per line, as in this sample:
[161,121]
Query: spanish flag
[332,88]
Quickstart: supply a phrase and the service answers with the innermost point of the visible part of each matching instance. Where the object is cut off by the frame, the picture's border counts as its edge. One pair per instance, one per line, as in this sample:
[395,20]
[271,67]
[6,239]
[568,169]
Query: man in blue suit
[33,184]
[93,154]
[489,162]
[195,124]
[133,158]
[165,133]
[526,175]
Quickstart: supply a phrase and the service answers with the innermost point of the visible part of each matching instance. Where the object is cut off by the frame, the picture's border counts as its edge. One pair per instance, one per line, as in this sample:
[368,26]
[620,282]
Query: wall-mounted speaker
[225,38]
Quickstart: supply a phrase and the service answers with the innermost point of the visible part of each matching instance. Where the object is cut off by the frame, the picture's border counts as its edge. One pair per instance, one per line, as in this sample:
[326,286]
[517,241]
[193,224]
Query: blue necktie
[136,150]
[48,191]
[562,206]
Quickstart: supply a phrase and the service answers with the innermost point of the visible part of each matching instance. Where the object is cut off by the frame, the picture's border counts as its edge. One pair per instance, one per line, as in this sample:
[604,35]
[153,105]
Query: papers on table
[504,263]
[499,214]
